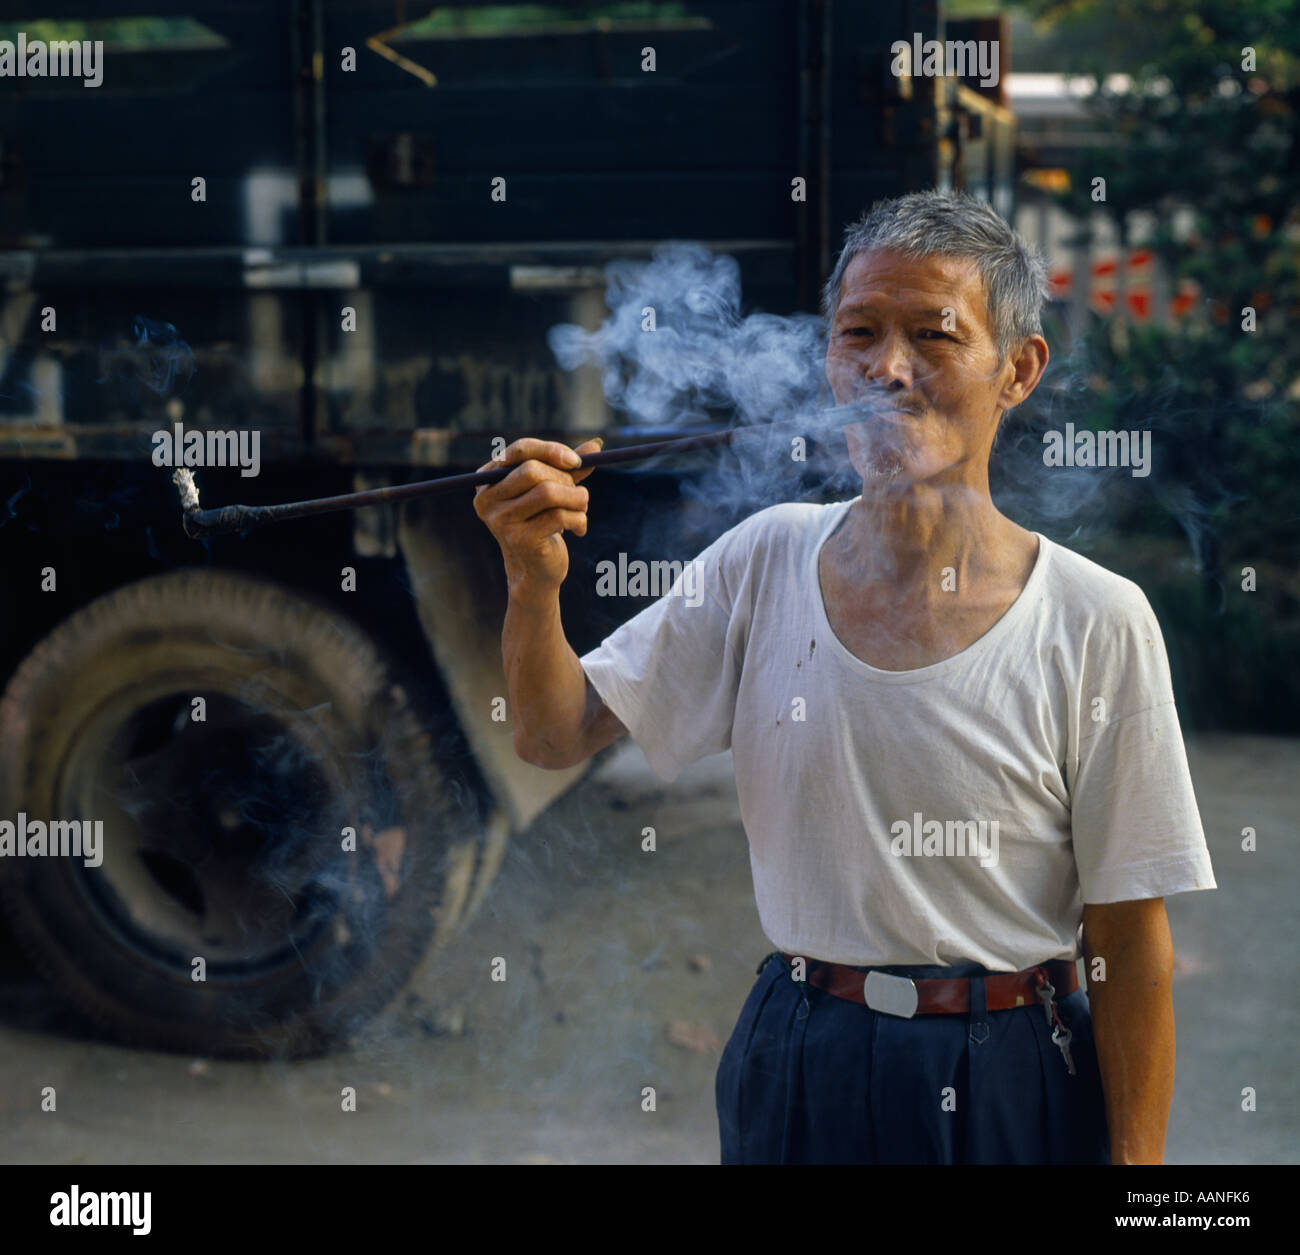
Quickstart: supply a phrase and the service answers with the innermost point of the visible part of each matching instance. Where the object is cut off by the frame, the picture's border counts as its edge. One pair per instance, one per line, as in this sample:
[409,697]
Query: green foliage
[1211,149]
[523,19]
[119,32]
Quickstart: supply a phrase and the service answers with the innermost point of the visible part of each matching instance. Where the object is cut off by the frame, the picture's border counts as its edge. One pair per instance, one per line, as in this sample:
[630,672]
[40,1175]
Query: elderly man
[955,742]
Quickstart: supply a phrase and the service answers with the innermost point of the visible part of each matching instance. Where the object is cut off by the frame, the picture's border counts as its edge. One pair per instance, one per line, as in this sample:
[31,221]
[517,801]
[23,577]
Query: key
[1061,1037]
[1045,995]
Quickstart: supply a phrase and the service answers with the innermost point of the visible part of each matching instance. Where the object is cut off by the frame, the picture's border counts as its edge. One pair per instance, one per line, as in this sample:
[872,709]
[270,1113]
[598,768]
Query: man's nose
[888,366]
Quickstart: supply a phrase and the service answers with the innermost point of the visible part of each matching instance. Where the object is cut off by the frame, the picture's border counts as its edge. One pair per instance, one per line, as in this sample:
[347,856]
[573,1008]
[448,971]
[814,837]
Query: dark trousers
[807,1077]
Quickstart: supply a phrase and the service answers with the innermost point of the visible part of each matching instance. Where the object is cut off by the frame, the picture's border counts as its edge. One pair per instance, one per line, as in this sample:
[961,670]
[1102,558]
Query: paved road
[606,948]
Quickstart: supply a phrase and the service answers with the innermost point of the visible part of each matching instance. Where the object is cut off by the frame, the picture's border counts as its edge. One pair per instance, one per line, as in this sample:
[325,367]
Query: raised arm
[557,717]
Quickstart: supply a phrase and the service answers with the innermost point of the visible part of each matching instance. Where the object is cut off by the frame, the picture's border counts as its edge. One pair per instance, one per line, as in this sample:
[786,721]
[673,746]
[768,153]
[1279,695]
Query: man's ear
[1030,361]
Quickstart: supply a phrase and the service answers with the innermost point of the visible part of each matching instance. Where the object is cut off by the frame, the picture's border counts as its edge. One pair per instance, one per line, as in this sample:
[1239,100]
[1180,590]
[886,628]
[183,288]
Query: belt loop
[979,1025]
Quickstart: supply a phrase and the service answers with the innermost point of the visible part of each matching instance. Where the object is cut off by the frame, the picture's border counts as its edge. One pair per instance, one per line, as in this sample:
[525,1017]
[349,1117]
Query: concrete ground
[626,970]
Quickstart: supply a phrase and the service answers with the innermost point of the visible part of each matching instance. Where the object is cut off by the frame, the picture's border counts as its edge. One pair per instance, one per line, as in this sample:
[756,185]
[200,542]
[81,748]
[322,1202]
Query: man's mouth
[885,418]
[879,407]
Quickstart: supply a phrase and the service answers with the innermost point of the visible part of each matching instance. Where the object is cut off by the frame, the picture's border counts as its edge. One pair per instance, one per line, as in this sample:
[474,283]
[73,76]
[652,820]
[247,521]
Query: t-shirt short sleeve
[1135,823]
[671,672]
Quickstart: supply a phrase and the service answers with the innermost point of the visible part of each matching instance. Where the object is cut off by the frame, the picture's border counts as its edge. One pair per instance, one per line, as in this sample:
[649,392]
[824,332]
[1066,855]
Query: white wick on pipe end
[183,478]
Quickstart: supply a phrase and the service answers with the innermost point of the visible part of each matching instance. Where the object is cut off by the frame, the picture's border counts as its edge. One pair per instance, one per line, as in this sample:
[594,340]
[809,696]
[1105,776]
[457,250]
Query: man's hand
[1133,1022]
[529,509]
[557,717]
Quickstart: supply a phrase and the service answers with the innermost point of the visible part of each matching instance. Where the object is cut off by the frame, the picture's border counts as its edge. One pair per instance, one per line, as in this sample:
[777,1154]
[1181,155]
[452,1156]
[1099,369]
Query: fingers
[543,496]
[529,509]
[544,502]
[551,522]
[536,460]
[524,479]
[551,452]
[590,446]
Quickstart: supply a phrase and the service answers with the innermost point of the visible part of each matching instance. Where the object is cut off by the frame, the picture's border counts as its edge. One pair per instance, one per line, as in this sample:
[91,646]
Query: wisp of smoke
[676,353]
[154,361]
[675,348]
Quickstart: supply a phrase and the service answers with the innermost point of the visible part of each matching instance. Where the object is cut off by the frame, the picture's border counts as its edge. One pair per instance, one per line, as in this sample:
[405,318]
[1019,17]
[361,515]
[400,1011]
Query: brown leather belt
[900,995]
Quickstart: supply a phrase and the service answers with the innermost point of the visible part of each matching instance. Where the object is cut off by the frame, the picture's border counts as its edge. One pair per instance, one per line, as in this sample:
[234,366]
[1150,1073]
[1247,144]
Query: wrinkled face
[914,334]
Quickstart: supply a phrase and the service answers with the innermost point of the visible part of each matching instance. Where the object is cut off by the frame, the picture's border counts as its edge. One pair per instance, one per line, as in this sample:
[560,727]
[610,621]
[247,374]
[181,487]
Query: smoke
[154,363]
[9,510]
[1073,503]
[675,348]
[676,353]
[137,373]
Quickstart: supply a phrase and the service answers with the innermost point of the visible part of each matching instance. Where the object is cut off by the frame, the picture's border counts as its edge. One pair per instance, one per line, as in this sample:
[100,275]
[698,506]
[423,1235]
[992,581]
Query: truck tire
[231,913]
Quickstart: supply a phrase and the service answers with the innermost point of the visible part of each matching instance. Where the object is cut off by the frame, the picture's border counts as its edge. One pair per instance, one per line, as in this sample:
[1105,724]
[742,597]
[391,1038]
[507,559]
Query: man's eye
[929,331]
[857,331]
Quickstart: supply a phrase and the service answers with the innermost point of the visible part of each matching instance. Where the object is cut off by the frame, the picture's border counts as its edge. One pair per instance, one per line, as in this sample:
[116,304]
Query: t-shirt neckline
[1006,624]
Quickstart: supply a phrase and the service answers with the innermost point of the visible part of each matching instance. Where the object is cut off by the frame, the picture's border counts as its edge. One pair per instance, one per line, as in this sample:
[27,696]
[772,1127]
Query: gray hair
[954,224]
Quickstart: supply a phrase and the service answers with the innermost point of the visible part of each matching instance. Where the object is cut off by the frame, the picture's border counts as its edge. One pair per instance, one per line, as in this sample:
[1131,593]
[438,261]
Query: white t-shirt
[959,812]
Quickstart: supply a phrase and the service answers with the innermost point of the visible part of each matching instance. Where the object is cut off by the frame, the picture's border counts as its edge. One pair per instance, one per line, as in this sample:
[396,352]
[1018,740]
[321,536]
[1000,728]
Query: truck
[248,787]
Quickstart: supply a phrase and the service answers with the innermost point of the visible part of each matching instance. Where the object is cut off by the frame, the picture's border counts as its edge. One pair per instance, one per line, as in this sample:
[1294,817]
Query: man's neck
[926,542]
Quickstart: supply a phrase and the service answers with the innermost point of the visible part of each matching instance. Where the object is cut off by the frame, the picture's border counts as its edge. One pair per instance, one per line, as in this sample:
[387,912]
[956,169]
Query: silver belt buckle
[894,995]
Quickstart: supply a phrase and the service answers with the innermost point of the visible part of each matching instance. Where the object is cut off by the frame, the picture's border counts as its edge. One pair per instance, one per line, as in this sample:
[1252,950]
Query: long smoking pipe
[200,523]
